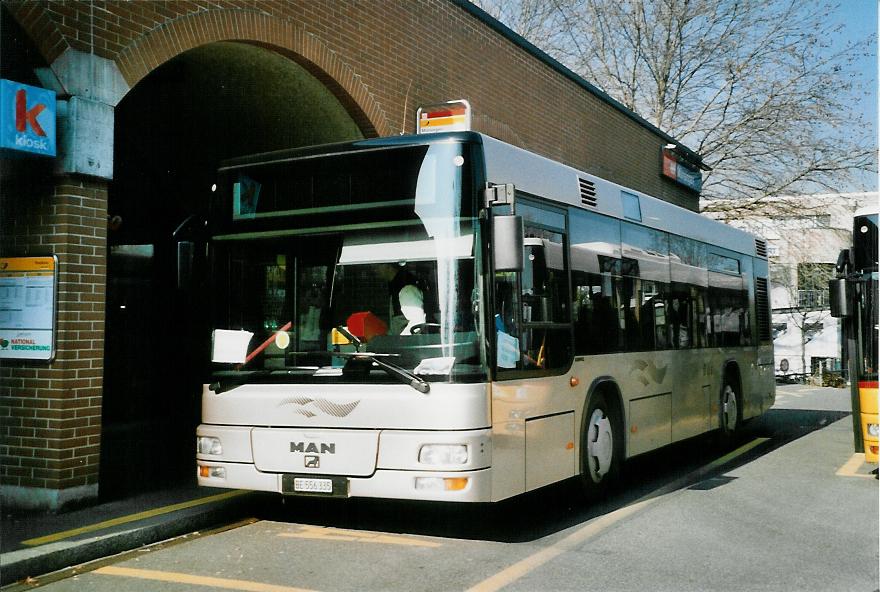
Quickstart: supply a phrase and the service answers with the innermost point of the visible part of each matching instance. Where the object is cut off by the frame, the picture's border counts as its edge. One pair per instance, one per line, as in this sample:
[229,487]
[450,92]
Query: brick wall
[381,58]
[51,413]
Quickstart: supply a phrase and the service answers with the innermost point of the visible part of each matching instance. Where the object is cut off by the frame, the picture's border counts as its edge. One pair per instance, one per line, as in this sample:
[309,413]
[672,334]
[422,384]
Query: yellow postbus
[854,299]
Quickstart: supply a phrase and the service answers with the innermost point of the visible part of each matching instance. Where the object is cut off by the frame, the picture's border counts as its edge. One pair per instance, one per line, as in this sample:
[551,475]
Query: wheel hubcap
[600,445]
[728,409]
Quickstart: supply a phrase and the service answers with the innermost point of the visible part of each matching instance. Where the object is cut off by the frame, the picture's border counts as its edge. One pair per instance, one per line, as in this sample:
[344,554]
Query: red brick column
[50,413]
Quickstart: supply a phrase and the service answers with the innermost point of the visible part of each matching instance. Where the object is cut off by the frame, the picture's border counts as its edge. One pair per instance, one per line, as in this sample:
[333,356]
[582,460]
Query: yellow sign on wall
[27,307]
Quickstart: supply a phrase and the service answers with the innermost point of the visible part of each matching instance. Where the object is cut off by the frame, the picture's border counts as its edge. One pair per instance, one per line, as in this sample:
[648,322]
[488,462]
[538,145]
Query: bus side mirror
[837,293]
[507,244]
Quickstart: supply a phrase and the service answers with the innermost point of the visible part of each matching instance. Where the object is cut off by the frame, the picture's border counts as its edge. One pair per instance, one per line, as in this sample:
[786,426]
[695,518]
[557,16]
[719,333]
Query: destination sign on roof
[452,116]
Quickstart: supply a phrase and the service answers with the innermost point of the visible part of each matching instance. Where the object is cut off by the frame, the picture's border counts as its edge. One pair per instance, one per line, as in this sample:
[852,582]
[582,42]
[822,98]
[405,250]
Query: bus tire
[729,410]
[601,447]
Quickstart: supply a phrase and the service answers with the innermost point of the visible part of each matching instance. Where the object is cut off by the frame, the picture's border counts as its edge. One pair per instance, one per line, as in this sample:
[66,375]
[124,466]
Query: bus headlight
[443,454]
[873,429]
[209,445]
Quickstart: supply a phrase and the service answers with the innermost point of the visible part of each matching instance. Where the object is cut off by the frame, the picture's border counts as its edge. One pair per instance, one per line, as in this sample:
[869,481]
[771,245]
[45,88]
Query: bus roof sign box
[451,116]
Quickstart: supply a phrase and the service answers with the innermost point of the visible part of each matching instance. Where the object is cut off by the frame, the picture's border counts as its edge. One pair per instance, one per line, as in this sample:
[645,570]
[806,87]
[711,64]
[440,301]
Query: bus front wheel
[601,449]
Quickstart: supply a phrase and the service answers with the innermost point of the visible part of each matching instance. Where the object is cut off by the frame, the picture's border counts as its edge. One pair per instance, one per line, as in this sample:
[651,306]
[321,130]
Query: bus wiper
[380,360]
[229,380]
[405,376]
[226,380]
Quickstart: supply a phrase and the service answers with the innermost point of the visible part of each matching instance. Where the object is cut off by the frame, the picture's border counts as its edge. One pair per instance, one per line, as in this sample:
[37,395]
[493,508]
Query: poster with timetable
[27,307]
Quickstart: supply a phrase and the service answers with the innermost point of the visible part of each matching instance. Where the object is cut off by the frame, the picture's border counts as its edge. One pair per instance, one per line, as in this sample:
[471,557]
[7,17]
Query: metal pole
[853,328]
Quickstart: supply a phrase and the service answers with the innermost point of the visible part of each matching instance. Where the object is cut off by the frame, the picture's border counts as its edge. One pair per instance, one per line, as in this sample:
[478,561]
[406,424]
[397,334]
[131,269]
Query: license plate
[306,485]
[324,485]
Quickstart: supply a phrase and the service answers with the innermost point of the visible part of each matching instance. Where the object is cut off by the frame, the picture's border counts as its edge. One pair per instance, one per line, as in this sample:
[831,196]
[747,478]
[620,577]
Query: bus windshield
[396,283]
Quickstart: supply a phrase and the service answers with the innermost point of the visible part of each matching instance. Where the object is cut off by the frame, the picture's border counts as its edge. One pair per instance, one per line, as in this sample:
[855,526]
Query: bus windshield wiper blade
[381,360]
[420,384]
[238,378]
[226,380]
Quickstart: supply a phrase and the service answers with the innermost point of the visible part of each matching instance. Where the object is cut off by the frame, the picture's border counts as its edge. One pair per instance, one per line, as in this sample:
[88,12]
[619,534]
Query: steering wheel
[425,329]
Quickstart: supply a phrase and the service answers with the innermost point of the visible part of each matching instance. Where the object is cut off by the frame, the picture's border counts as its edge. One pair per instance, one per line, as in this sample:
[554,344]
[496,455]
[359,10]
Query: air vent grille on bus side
[588,193]
[762,302]
[761,248]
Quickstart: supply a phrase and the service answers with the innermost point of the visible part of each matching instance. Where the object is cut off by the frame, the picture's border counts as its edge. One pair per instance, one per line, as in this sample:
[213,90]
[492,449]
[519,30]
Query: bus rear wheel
[730,412]
[601,449]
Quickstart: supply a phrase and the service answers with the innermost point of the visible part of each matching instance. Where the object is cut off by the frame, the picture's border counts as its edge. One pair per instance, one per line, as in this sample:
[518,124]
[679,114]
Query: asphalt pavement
[805,466]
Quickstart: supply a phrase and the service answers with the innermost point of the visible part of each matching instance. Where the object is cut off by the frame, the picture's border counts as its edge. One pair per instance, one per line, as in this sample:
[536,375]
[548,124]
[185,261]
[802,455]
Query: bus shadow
[558,507]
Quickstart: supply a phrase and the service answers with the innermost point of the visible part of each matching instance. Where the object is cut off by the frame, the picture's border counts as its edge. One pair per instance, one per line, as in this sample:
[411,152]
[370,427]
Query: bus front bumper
[447,486]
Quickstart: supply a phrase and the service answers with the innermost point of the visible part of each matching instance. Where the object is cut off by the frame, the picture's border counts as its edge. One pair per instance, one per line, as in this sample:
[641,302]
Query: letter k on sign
[25,117]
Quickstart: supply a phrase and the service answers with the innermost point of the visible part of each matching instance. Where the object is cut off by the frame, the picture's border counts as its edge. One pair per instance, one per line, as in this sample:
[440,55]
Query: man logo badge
[319,448]
[312,462]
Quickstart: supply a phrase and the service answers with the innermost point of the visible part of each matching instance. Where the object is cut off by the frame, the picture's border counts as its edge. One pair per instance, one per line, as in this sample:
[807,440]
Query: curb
[23,563]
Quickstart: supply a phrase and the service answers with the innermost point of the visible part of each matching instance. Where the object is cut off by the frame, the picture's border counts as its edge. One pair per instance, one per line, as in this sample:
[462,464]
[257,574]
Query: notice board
[27,307]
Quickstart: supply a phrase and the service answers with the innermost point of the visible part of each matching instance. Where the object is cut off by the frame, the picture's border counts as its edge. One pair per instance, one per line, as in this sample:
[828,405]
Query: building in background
[804,235]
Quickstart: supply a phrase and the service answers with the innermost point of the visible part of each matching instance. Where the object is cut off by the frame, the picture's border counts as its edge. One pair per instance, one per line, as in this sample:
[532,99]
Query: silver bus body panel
[668,396]
[557,182]
[355,406]
[370,434]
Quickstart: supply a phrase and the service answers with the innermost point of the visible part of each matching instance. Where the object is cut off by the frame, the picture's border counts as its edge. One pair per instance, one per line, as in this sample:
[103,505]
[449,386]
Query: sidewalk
[33,544]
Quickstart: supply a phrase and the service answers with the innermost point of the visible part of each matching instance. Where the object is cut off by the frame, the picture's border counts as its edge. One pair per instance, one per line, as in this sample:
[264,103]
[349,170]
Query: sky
[859,19]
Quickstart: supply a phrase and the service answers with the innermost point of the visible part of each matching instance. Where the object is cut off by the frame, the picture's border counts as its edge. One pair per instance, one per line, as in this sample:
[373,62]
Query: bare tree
[759,88]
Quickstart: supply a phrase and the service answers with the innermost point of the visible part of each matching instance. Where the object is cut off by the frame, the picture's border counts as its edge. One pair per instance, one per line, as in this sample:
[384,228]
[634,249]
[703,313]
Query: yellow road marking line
[182,578]
[852,465]
[730,456]
[51,538]
[523,567]
[597,525]
[354,536]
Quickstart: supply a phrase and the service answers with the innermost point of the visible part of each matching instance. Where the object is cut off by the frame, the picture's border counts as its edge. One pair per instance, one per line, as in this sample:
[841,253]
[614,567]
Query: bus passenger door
[533,410]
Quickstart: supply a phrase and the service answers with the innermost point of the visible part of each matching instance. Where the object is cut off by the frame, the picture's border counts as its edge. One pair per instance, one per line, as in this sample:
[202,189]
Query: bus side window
[532,308]
[545,301]
[687,296]
[646,284]
[596,283]
[507,345]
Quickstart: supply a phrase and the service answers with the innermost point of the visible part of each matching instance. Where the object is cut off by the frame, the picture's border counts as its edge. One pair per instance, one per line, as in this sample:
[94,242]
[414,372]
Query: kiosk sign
[681,172]
[27,118]
[27,307]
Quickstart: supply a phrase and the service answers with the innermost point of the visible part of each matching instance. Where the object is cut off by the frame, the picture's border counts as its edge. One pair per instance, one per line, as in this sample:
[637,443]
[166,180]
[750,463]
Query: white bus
[449,317]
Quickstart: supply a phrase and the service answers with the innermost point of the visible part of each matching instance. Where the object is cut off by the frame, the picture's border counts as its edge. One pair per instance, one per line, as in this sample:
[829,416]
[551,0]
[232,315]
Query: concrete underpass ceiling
[210,103]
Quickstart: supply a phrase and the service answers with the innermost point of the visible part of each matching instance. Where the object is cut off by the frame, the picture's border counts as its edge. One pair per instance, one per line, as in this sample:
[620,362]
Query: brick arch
[157,46]
[41,27]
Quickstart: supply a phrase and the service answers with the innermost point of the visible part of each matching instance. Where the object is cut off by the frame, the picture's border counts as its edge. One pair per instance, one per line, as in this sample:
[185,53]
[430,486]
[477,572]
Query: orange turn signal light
[455,483]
